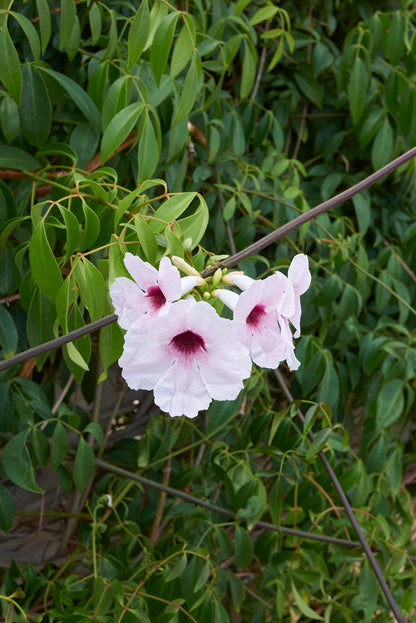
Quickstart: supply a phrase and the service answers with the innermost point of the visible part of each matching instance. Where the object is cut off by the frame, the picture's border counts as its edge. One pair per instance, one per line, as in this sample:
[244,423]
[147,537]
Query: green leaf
[17,463]
[146,238]
[138,34]
[329,388]
[40,445]
[7,509]
[119,128]
[263,14]
[83,465]
[148,152]
[362,212]
[161,45]
[45,22]
[59,445]
[72,230]
[68,17]
[318,443]
[92,288]
[243,547]
[41,317]
[357,88]
[44,266]
[382,148]
[395,39]
[76,356]
[276,502]
[78,96]
[303,606]
[248,72]
[194,227]
[15,158]
[91,228]
[30,32]
[94,18]
[170,210]
[8,333]
[96,431]
[35,107]
[310,87]
[191,87]
[390,403]
[111,347]
[203,577]
[10,71]
[9,118]
[184,47]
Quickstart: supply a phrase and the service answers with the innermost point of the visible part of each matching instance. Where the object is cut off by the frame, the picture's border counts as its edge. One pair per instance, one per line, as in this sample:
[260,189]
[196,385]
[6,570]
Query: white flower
[188,356]
[151,291]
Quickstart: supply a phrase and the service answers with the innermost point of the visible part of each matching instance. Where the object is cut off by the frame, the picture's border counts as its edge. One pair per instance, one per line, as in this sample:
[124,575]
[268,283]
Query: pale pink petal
[299,273]
[227,365]
[248,300]
[295,318]
[227,297]
[143,273]
[267,349]
[143,365]
[243,282]
[181,391]
[169,280]
[128,300]
[189,283]
[278,293]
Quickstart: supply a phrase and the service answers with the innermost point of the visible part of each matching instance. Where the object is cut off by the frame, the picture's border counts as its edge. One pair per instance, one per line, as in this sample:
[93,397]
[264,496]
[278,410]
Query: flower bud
[184,266]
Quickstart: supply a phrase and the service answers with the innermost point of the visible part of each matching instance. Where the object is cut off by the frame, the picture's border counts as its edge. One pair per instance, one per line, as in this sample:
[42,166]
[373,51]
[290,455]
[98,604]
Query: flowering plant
[183,349]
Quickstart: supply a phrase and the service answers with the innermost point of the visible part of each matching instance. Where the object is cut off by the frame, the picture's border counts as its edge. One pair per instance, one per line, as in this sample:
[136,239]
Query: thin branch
[57,342]
[345,502]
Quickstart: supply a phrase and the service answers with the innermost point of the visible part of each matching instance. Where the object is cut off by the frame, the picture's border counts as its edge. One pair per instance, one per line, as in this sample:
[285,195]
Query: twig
[345,502]
[161,502]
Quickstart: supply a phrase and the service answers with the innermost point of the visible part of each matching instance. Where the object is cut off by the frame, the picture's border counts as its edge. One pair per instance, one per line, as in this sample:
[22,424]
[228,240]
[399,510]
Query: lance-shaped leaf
[10,72]
[45,23]
[148,152]
[161,45]
[78,96]
[17,463]
[35,107]
[138,33]
[30,32]
[357,88]
[191,87]
[119,128]
[44,266]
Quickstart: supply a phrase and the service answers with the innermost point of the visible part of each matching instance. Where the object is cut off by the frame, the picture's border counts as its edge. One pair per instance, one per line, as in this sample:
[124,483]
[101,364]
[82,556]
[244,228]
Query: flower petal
[128,300]
[143,273]
[169,280]
[299,273]
[180,391]
[143,365]
[267,349]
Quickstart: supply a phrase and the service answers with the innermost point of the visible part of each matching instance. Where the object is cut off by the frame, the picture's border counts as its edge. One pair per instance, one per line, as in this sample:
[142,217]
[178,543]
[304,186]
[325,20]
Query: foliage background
[244,114]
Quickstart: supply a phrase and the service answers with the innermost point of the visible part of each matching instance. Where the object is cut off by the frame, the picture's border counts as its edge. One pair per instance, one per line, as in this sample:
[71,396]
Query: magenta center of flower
[188,343]
[256,315]
[156,297]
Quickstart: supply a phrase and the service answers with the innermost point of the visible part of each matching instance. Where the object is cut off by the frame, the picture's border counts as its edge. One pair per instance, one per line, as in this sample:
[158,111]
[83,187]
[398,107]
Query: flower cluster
[188,354]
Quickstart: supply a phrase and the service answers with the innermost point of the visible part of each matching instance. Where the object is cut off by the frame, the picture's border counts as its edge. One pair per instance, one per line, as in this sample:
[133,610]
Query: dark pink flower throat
[255,315]
[188,343]
[156,296]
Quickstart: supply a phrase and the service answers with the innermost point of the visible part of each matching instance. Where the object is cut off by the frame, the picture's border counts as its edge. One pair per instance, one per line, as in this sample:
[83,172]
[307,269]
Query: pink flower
[152,290]
[188,356]
[260,315]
